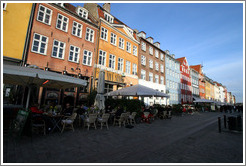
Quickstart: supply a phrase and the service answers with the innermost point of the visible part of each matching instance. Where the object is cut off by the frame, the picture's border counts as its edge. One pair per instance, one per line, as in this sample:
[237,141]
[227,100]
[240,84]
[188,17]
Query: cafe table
[55,119]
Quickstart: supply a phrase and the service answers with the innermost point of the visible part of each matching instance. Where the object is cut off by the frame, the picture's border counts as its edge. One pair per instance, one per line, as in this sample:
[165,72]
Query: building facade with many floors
[117,49]
[194,83]
[151,70]
[172,70]
[185,81]
[63,40]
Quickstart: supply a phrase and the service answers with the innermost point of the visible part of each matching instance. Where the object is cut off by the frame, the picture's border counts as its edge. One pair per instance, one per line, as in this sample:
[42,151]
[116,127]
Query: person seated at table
[81,111]
[119,112]
[34,109]
[68,110]
[108,109]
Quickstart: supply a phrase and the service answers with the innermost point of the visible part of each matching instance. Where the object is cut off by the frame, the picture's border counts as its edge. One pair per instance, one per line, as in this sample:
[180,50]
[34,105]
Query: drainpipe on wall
[28,34]
[96,58]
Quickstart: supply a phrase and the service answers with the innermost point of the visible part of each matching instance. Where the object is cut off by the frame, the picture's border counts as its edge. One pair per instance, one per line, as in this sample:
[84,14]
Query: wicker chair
[68,122]
[132,118]
[103,120]
[91,120]
[120,120]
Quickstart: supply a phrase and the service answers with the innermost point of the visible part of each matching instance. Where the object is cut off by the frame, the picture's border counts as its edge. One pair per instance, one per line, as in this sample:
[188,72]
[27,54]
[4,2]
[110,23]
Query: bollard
[225,121]
[219,124]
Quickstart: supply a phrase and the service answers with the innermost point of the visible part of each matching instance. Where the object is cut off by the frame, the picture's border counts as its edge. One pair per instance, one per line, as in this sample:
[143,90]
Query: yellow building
[207,88]
[117,49]
[16,18]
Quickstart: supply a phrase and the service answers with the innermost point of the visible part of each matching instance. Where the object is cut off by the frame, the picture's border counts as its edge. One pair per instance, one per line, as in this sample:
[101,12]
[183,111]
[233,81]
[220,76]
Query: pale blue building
[172,68]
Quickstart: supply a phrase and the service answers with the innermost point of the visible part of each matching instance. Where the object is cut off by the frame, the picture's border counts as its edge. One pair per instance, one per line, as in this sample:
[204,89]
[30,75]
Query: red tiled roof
[181,59]
[196,67]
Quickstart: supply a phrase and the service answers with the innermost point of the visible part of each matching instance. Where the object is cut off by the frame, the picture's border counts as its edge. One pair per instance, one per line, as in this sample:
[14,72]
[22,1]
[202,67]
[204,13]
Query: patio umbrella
[203,101]
[137,90]
[100,100]
[20,75]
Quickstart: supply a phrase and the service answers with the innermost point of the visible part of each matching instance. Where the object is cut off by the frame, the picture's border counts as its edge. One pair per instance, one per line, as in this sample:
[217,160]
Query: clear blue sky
[207,33]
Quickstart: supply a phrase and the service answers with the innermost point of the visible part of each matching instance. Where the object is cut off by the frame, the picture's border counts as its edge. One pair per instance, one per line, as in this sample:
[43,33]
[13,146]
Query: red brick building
[63,40]
[185,81]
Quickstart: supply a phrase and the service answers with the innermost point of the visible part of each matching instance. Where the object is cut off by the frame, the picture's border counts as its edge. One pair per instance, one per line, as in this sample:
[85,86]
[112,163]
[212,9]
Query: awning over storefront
[19,75]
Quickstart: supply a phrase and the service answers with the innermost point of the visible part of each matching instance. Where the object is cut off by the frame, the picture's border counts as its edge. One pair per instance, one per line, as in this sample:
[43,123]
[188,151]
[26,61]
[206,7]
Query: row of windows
[112,63]
[195,81]
[172,64]
[172,84]
[45,14]
[174,97]
[40,43]
[186,98]
[121,43]
[143,47]
[186,78]
[151,79]
[185,87]
[143,62]
[195,91]
[172,73]
[185,70]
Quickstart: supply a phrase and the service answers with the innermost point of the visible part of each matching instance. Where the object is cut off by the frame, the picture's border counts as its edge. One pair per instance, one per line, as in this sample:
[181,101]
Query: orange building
[198,68]
[117,49]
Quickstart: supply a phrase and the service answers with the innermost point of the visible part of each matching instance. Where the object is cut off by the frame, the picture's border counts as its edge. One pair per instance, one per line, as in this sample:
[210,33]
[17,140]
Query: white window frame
[156,53]
[104,34]
[143,60]
[162,80]
[62,22]
[77,29]
[4,6]
[135,50]
[128,67]
[74,52]
[121,43]
[111,63]
[162,68]
[156,66]
[134,69]
[58,49]
[151,63]
[151,76]
[150,50]
[128,47]
[82,13]
[87,58]
[44,14]
[120,64]
[39,43]
[143,46]
[89,36]
[162,56]
[143,74]
[113,38]
[157,78]
[108,17]
[102,55]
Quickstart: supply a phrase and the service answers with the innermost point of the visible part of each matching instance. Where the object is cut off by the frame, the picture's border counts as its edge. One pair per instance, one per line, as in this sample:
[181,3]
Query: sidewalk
[188,139]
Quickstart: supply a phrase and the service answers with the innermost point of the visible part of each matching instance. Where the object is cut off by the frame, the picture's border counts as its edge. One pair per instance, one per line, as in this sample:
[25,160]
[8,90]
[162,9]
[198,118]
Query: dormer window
[130,30]
[60,4]
[82,12]
[109,18]
[150,39]
[141,34]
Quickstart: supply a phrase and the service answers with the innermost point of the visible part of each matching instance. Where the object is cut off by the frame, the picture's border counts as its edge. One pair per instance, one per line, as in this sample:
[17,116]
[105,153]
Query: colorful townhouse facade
[194,83]
[216,91]
[117,49]
[172,73]
[16,19]
[201,82]
[63,39]
[151,70]
[185,81]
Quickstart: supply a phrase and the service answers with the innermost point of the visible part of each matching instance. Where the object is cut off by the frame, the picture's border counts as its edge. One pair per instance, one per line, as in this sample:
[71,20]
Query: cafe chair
[155,114]
[38,124]
[164,115]
[90,120]
[132,118]
[120,120]
[68,122]
[127,114]
[103,120]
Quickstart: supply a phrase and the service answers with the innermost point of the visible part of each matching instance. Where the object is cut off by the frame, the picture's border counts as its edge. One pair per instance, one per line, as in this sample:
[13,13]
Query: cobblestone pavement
[187,139]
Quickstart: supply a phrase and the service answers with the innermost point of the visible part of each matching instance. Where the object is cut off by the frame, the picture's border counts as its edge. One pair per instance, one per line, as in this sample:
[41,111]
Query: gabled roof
[181,60]
[197,67]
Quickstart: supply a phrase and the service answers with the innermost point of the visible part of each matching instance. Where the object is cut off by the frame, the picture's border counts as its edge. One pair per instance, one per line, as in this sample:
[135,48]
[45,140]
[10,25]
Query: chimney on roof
[106,7]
